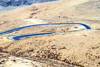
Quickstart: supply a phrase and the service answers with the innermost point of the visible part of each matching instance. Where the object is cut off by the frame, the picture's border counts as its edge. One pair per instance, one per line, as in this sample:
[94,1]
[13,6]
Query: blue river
[38,34]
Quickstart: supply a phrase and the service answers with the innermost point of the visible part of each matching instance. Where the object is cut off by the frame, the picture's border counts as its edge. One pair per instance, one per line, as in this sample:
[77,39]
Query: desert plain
[70,45]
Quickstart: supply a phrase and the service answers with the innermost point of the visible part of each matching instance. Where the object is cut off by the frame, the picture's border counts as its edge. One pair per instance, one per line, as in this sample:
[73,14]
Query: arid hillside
[88,9]
[69,46]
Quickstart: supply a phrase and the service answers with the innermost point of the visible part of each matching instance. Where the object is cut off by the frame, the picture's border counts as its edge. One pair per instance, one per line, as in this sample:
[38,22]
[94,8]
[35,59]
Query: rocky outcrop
[6,3]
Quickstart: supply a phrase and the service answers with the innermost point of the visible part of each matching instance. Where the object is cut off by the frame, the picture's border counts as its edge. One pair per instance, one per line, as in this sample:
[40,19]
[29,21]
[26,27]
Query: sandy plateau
[80,48]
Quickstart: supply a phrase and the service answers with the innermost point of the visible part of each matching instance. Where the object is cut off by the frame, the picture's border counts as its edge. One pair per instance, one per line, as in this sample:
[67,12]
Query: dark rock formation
[6,3]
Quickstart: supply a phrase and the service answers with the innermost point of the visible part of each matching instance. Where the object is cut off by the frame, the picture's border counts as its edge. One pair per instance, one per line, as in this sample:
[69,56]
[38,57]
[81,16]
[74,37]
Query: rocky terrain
[74,46]
[7,3]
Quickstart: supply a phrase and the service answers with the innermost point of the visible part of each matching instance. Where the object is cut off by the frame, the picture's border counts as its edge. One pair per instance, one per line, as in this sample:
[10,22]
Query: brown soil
[74,48]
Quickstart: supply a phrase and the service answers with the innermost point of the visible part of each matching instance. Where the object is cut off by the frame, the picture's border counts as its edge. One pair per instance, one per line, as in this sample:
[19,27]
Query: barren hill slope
[72,8]
[72,46]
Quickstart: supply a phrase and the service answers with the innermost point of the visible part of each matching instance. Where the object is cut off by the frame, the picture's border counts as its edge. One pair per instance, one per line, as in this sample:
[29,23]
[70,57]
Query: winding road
[38,34]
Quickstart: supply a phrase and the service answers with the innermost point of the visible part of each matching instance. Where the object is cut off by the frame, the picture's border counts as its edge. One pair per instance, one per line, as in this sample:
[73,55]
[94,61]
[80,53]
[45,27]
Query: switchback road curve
[38,34]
